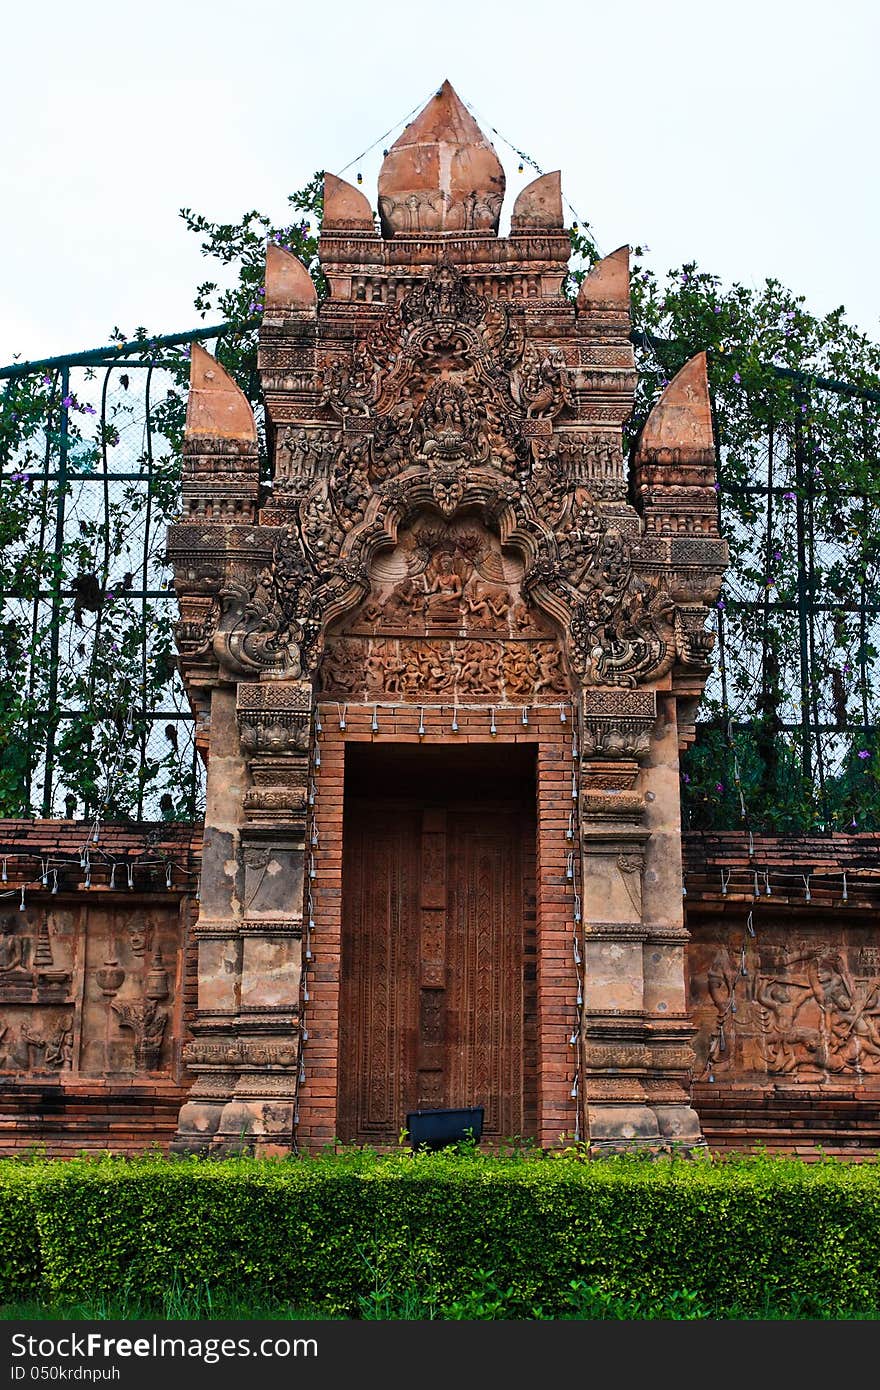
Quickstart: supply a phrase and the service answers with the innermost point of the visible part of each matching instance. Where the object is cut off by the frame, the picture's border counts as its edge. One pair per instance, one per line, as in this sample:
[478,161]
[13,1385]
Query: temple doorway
[438,984]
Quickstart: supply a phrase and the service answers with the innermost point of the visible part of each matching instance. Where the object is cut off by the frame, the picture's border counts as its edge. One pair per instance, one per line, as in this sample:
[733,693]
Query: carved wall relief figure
[806,1008]
[36,1040]
[14,950]
[148,1022]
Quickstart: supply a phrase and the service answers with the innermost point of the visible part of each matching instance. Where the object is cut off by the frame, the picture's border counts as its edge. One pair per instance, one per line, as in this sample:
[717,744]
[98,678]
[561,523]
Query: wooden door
[436,999]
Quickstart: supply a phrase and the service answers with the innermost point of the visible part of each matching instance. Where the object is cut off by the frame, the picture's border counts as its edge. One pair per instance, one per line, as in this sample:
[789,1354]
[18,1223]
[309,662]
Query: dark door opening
[438,989]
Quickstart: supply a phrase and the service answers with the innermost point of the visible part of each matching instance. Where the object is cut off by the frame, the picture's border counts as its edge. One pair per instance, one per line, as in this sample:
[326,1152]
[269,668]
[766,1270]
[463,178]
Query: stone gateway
[443,667]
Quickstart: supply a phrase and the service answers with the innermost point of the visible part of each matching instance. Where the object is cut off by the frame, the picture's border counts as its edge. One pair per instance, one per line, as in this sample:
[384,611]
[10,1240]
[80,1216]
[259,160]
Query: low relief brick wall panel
[95,990]
[784,991]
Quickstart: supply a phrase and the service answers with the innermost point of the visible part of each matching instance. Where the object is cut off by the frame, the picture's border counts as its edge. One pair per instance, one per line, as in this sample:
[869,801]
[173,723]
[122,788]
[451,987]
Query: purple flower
[88,409]
[789,497]
[720,603]
[47,380]
[114,648]
[67,402]
[716,310]
[864,753]
[719,786]
[19,477]
[685,777]
[847,668]
[737,378]
[777,555]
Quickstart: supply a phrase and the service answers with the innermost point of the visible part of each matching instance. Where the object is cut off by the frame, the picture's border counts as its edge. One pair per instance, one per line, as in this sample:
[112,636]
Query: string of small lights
[91,859]
[578,944]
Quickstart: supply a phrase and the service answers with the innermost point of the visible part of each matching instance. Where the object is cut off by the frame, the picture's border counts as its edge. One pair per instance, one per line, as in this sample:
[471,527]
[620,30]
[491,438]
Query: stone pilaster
[245,1048]
[635,1032]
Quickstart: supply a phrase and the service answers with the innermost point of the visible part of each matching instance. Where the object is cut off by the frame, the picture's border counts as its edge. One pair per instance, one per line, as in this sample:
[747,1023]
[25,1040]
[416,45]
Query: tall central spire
[442,174]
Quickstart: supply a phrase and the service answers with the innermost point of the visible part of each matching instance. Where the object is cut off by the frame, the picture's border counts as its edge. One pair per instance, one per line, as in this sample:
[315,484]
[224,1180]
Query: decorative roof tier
[441,174]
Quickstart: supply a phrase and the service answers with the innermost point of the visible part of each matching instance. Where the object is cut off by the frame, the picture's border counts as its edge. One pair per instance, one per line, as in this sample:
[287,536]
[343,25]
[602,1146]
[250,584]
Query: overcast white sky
[741,134]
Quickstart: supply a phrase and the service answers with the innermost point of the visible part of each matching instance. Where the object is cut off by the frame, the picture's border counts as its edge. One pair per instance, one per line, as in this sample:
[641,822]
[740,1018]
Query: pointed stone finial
[216,408]
[607,285]
[288,284]
[345,207]
[539,205]
[441,174]
[681,421]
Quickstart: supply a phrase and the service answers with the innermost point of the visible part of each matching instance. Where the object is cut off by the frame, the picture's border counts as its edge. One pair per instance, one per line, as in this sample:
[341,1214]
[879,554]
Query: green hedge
[751,1234]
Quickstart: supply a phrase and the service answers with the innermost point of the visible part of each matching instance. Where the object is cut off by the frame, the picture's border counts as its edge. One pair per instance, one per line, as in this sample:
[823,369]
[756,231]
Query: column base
[634,1128]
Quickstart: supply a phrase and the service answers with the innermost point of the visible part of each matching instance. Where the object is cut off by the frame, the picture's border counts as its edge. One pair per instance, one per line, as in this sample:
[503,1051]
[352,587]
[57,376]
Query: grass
[419,1302]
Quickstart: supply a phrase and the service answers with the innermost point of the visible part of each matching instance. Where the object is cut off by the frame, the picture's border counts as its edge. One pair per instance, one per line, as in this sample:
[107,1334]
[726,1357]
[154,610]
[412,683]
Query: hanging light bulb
[302,1073]
[112,883]
[168,874]
[130,868]
[314,832]
[574,746]
[54,880]
[21,904]
[374,722]
[317,756]
[569,834]
[421,721]
[577,907]
[311,867]
[574,787]
[4,876]
[569,868]
[319,727]
[806,878]
[306,995]
[454,720]
[573,1040]
[492,727]
[44,877]
[342,719]
[580,998]
[309,955]
[562,714]
[845,893]
[311,793]
[525,715]
[574,1090]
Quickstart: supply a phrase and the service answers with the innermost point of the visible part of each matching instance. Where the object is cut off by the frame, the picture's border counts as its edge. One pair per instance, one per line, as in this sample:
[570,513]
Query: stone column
[246,1045]
[635,1031]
